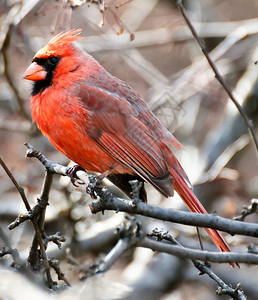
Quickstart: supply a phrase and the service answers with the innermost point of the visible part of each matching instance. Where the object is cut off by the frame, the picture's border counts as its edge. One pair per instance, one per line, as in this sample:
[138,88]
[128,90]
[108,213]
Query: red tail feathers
[195,205]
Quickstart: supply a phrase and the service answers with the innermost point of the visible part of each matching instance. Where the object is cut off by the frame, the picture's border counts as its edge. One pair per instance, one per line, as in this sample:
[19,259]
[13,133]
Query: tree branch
[16,184]
[218,257]
[109,202]
[130,233]
[9,250]
[187,218]
[31,216]
[33,258]
[203,268]
[251,209]
[221,80]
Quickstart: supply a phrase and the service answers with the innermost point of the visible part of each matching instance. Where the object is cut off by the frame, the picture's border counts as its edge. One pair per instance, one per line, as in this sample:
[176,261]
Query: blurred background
[147,44]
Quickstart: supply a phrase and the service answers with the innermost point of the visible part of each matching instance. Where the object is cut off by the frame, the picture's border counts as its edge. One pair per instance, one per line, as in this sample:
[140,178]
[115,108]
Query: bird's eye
[53,60]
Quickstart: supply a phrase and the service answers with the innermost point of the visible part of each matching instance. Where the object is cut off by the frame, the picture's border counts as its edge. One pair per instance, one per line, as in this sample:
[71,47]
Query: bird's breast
[66,123]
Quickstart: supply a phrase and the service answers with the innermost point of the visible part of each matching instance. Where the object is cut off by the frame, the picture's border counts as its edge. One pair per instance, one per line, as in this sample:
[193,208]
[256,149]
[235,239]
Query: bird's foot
[71,172]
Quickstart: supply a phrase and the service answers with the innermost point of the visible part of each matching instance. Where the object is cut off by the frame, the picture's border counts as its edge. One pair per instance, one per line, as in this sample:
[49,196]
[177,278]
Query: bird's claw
[71,172]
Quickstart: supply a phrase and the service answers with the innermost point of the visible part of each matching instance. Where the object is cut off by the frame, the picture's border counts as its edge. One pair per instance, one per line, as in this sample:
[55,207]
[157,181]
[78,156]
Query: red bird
[103,125]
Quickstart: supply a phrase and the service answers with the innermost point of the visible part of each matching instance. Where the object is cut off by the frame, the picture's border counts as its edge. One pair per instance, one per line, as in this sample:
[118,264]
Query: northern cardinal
[103,125]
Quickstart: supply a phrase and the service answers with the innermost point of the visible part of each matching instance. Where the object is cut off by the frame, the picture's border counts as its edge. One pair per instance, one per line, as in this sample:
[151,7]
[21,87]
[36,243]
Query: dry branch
[109,202]
[187,218]
[203,268]
[218,257]
[218,76]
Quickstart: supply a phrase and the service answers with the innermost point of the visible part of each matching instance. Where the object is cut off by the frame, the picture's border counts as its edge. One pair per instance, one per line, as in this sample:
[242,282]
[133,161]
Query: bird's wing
[159,131]
[117,128]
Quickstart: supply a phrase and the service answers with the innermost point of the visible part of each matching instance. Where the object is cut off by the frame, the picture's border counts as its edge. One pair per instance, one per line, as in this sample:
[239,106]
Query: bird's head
[56,58]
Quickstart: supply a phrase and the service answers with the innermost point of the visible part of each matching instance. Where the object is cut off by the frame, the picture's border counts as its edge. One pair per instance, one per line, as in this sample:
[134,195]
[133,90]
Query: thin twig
[223,289]
[123,3]
[55,265]
[33,256]
[56,239]
[16,184]
[203,268]
[221,80]
[251,209]
[224,158]
[15,16]
[164,35]
[9,250]
[35,225]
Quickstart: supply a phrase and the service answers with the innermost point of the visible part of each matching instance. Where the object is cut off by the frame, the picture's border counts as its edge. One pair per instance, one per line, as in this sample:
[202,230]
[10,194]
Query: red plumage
[102,124]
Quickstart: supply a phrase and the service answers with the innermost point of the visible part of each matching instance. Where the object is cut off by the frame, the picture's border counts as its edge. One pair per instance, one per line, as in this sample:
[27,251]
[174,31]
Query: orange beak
[35,72]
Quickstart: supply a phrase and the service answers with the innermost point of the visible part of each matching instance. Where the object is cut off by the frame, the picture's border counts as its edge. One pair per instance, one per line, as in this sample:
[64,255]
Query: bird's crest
[60,44]
[66,37]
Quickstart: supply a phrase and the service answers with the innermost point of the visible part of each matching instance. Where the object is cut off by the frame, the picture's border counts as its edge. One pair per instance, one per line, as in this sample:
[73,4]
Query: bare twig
[16,184]
[33,258]
[223,289]
[122,25]
[9,79]
[55,238]
[20,219]
[166,35]
[130,233]
[136,187]
[35,225]
[253,208]
[203,268]
[224,158]
[9,250]
[15,15]
[221,80]
[55,265]
[49,165]
[123,3]
[4,252]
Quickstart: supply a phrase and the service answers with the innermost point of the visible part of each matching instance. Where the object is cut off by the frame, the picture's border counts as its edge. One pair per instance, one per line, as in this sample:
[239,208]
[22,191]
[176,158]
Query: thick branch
[48,164]
[109,202]
[113,203]
[218,257]
[53,167]
[171,215]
